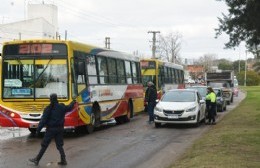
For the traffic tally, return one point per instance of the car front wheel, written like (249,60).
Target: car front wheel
(157,125)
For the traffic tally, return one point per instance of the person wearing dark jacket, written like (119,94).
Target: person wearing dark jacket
(53,119)
(150,98)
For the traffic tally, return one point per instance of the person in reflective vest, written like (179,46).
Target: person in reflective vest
(211,96)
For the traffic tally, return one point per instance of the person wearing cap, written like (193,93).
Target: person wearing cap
(211,96)
(53,119)
(150,98)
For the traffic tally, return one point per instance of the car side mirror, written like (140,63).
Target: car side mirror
(202,101)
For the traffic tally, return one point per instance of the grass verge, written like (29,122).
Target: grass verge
(233,143)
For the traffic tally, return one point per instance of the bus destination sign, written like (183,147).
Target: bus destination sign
(35,49)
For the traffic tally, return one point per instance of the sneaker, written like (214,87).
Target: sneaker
(62,162)
(35,161)
(149,122)
(214,123)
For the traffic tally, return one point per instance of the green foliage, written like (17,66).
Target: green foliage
(225,65)
(252,78)
(236,66)
(241,24)
(257,67)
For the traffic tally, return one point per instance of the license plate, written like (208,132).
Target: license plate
(173,117)
(33,125)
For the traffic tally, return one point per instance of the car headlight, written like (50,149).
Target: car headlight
(158,109)
(191,109)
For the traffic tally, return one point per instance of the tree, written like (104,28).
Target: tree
(208,61)
(241,24)
(225,64)
(237,64)
(252,78)
(256,67)
(169,47)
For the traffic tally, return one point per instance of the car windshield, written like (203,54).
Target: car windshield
(219,84)
(179,96)
(201,90)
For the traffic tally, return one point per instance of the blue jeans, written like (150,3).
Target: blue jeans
(150,108)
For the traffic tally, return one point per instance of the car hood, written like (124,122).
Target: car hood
(175,105)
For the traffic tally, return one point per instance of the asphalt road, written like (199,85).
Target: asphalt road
(132,145)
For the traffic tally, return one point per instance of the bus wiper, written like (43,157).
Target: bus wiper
(18,60)
(43,70)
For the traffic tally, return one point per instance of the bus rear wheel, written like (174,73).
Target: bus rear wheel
(128,116)
(130,112)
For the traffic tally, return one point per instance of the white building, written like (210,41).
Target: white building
(42,22)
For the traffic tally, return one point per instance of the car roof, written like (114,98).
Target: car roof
(173,90)
(203,86)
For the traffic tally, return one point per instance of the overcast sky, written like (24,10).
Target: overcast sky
(127,23)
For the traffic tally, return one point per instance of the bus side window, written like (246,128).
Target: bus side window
(128,72)
(175,76)
(134,72)
(102,69)
(161,77)
(91,69)
(171,76)
(166,77)
(121,71)
(112,70)
(81,77)
(139,76)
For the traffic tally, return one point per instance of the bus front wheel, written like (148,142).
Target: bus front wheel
(32,130)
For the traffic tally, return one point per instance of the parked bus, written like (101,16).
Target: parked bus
(164,75)
(106,84)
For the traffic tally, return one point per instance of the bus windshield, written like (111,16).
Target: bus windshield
(147,78)
(35,78)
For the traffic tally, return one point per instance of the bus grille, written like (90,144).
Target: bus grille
(30,107)
(173,112)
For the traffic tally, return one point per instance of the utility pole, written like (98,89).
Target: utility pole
(239,61)
(107,42)
(245,69)
(154,41)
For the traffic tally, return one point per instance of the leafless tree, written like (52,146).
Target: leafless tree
(169,47)
(208,61)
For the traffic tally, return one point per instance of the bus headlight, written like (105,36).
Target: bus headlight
(12,114)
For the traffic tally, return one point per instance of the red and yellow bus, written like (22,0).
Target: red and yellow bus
(106,84)
(165,75)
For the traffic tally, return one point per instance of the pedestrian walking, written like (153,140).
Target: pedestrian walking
(53,119)
(211,96)
(150,99)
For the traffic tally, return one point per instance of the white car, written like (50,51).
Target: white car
(180,106)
